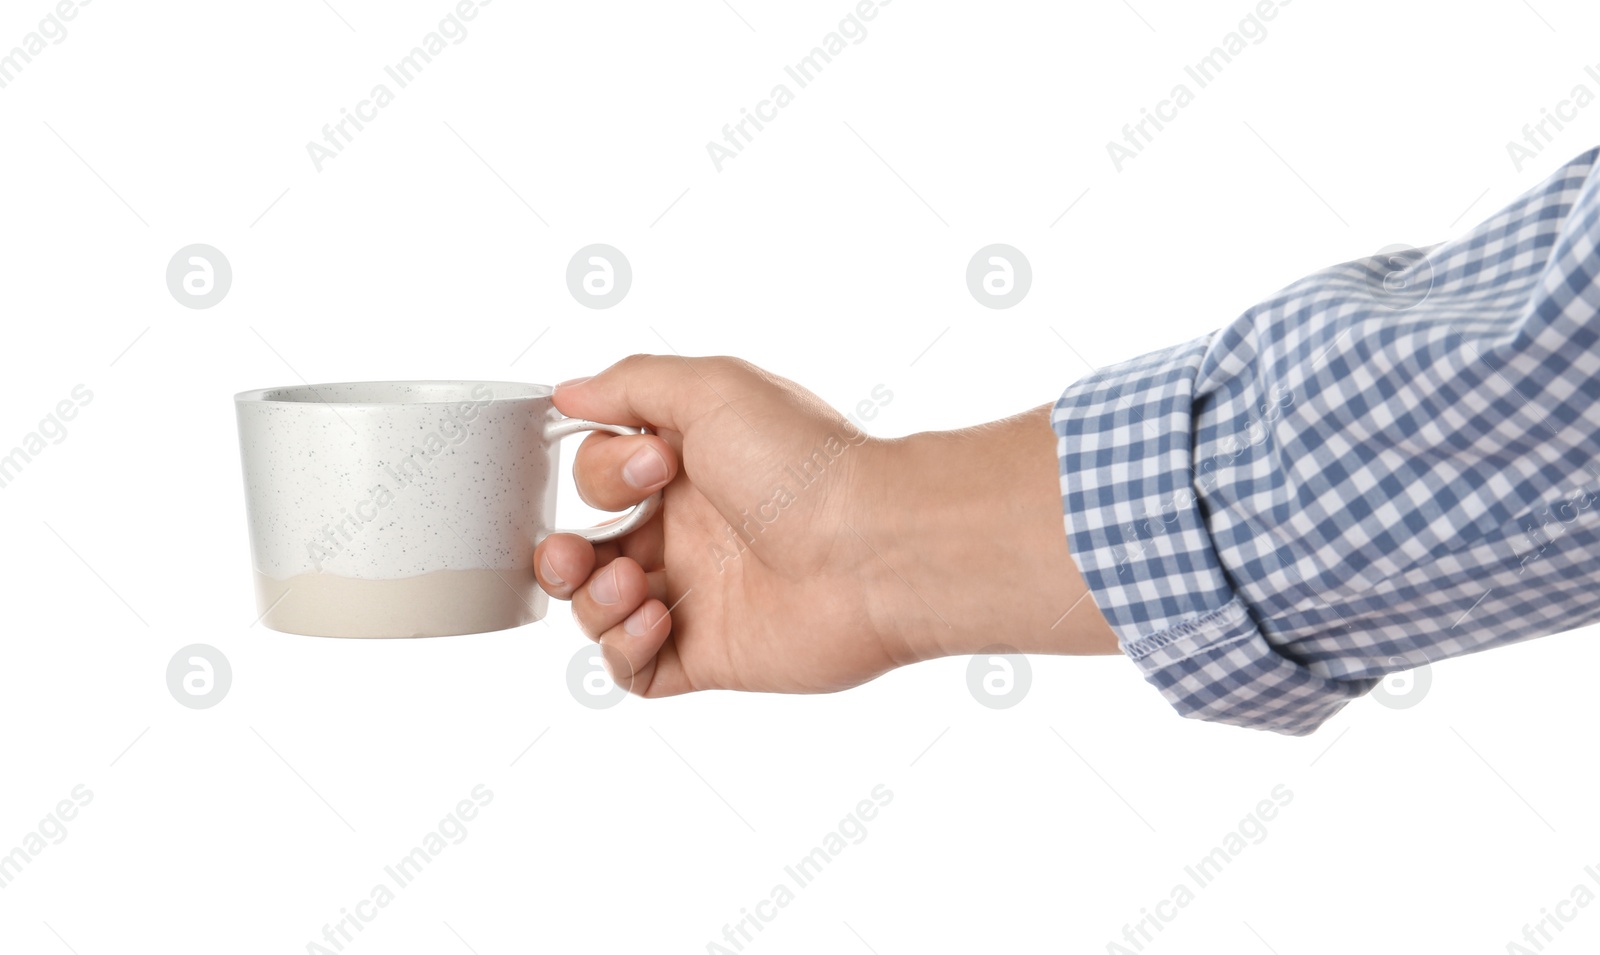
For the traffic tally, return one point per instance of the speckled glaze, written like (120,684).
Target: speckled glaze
(353,489)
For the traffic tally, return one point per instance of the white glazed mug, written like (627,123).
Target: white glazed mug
(404,508)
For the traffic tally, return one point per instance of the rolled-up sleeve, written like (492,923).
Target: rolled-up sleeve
(1390,462)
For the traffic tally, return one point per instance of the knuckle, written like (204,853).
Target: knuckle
(726,373)
(727,365)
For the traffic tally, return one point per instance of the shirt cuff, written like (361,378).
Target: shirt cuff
(1137,529)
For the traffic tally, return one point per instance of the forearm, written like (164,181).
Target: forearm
(970,522)
(1350,479)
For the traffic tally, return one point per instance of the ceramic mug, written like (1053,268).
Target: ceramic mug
(404,508)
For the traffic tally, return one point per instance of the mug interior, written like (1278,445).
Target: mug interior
(397,392)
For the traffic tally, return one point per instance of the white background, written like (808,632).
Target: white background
(649,826)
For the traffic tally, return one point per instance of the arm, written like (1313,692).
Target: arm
(1370,471)
(796,553)
(975,514)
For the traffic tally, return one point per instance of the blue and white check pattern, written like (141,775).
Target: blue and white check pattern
(1372,470)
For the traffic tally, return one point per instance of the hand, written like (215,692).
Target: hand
(798,554)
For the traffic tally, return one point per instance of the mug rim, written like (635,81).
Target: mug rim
(312,394)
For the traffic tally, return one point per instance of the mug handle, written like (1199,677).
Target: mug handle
(561,427)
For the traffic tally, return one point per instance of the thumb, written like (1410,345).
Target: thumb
(659,391)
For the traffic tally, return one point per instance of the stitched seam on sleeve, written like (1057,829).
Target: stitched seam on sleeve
(1217,620)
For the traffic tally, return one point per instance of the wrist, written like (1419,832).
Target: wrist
(970,548)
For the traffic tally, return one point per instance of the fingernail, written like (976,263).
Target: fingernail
(549,573)
(573,381)
(636,624)
(604,588)
(645,469)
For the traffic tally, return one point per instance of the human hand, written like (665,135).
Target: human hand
(795,552)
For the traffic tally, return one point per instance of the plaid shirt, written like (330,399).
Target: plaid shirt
(1389,462)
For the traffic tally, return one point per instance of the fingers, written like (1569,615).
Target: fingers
(664,391)
(561,563)
(615,472)
(622,608)
(614,592)
(630,648)
(667,674)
